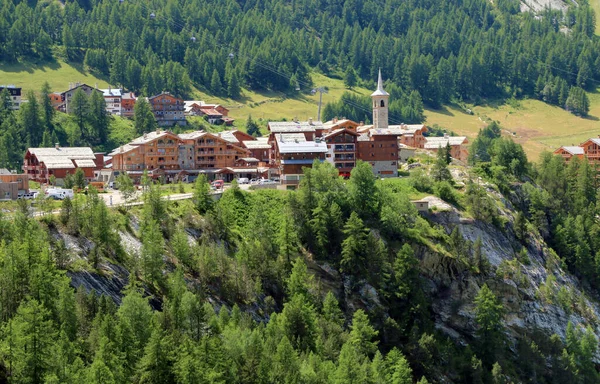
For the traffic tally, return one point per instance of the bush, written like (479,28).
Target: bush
(446,192)
(421,182)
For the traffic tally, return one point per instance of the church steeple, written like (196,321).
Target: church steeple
(380,105)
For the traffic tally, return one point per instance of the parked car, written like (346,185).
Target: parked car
(218,184)
(254,181)
(243,180)
(27,196)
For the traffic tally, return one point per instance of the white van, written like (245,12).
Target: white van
(59,193)
(243,180)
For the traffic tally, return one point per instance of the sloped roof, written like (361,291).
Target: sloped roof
(286,144)
(336,131)
(293,126)
(62,158)
(192,135)
(122,149)
(229,136)
(259,143)
(4,171)
(150,136)
(437,142)
(290,137)
(573,150)
(380,91)
(116,92)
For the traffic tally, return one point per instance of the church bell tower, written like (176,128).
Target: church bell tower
(380,105)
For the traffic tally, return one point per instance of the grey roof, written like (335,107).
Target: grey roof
(229,136)
(574,150)
(192,135)
(380,91)
(122,149)
(116,92)
(290,137)
(4,171)
(259,143)
(363,137)
(293,126)
(437,142)
(148,137)
(250,159)
(62,158)
(294,146)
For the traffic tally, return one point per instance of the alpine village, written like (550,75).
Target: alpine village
(299,192)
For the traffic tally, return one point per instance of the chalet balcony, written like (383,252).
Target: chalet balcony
(344,148)
(344,157)
(212,153)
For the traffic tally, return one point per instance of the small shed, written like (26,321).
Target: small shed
(421,205)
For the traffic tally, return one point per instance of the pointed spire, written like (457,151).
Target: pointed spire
(380,91)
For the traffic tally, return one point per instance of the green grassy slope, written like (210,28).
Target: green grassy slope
(536,125)
(58,74)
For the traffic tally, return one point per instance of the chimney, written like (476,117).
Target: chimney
(445,135)
(56,145)
(157,131)
(334,120)
(310,121)
(361,124)
(145,135)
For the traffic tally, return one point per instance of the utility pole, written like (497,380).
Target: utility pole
(321,91)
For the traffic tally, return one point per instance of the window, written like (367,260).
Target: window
(382,104)
(372,154)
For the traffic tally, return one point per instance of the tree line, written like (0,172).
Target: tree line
(241,302)
(441,50)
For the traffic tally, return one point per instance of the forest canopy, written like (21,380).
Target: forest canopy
(442,50)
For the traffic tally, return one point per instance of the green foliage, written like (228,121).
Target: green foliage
(489,312)
(125,186)
(143,117)
(202,197)
(79,178)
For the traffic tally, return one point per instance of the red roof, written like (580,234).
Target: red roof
(211,112)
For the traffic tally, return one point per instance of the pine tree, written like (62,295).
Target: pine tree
(155,366)
(440,171)
(30,120)
(79,178)
(30,340)
(252,128)
(202,197)
(489,314)
(98,119)
(215,82)
(362,334)
(354,247)
(364,195)
(79,107)
(143,117)
(152,252)
(47,109)
(350,77)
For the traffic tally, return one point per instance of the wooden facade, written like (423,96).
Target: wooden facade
(168,110)
(42,163)
(342,150)
(153,151)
